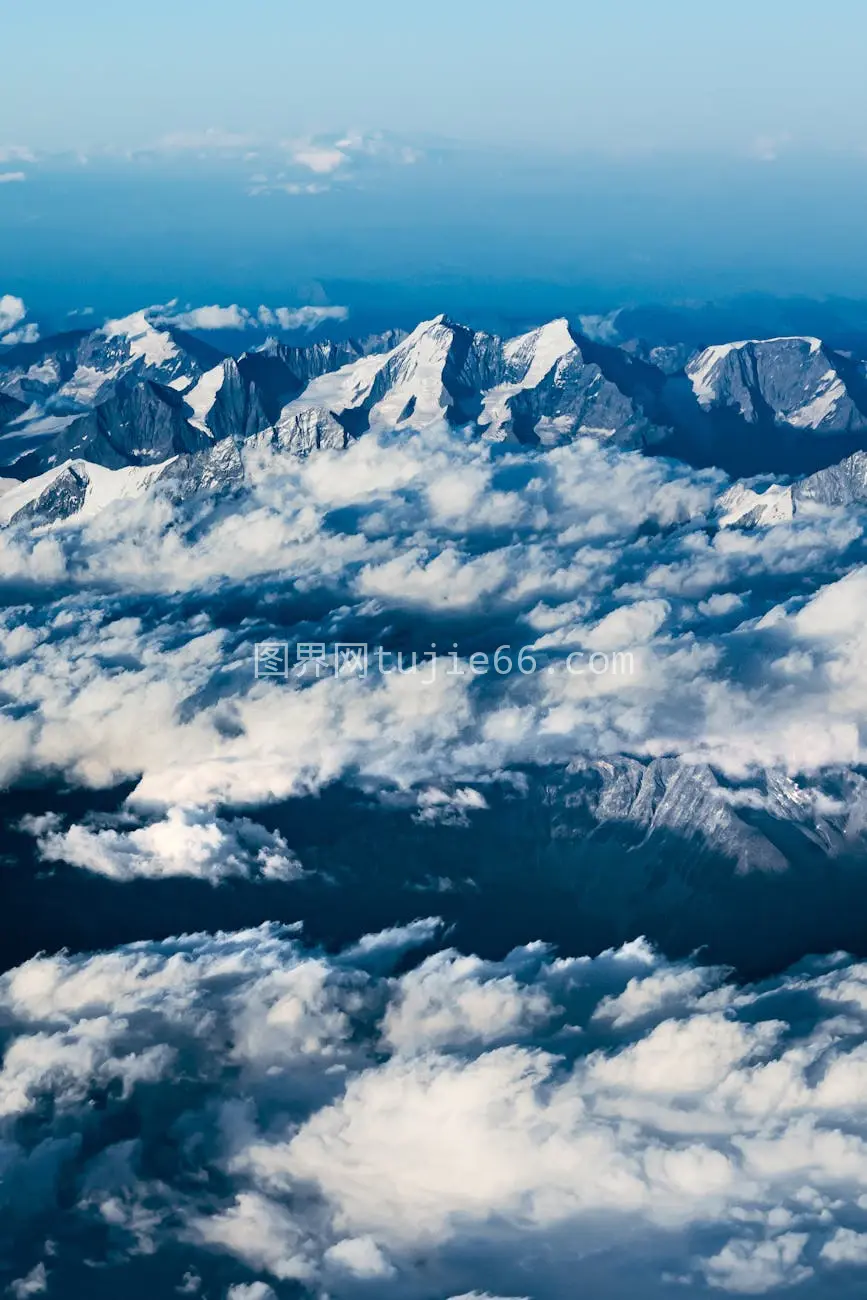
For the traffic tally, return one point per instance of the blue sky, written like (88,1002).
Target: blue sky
(564,157)
(619,75)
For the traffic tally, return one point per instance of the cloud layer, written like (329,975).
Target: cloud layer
(539,1119)
(746,645)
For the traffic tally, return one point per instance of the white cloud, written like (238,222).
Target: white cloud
(781,689)
(359,1256)
(451,807)
(234,317)
(35,1283)
(183,844)
(321,159)
(846,1247)
(629,625)
(250,1291)
(13,328)
(261,1233)
(491,1136)
(669,990)
(720,604)
(12,311)
(293,318)
(335,158)
(9,178)
(485,1295)
(28,333)
(455,1000)
(213,318)
(754,1268)
(395,940)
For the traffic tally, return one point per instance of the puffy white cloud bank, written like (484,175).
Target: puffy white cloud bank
(746,645)
(538,1126)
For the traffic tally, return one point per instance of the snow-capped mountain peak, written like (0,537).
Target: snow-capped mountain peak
(796,381)
(154,346)
(532,355)
(421,379)
(74,489)
(528,359)
(704,369)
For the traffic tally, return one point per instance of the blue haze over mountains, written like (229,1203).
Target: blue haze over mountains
(491,236)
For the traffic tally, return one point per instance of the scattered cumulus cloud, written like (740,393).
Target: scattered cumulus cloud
(340,159)
(213,318)
(250,1291)
(293,318)
(318,158)
(14,328)
(28,333)
(234,317)
(35,1283)
(184,843)
(12,311)
(360,1257)
(8,178)
(324,156)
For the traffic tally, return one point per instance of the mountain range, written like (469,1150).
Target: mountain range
(152,401)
